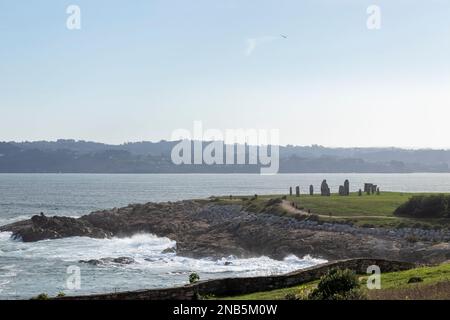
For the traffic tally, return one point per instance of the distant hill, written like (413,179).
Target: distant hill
(71,156)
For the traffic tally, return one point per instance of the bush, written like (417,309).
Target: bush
(194,277)
(430,206)
(415,280)
(42,296)
(338,284)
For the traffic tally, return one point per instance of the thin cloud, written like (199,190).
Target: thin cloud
(253,43)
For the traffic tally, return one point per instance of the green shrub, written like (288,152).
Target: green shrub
(338,284)
(415,280)
(42,296)
(194,277)
(429,206)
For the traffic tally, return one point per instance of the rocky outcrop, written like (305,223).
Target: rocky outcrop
(210,229)
(102,261)
(40,227)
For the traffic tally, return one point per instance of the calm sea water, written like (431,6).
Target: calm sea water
(27,269)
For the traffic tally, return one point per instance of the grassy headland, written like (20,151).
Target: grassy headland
(366,210)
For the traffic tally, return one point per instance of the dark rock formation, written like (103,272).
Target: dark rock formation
(342,191)
(311,190)
(102,261)
(205,228)
(297,191)
(40,227)
(290,191)
(360,192)
(170,250)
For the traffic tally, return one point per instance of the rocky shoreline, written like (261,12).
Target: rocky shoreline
(208,229)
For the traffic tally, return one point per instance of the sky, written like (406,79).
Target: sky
(139,70)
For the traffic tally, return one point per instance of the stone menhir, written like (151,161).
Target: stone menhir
(297,191)
(374,188)
(347,187)
(360,192)
(342,191)
(324,189)
(378,191)
(368,188)
(311,190)
(290,191)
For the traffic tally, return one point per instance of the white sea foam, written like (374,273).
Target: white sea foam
(157,268)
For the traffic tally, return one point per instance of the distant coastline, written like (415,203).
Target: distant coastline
(70,156)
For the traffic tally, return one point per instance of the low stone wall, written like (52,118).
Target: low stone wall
(237,286)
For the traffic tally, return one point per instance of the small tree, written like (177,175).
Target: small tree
(194,277)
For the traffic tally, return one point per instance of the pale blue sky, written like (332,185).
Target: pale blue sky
(137,70)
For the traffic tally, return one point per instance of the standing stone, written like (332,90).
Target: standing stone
(360,192)
(378,191)
(297,191)
(290,191)
(374,188)
(341,190)
(311,190)
(324,189)
(347,188)
(368,188)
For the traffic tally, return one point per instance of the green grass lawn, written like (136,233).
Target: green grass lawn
(393,285)
(365,210)
(279,294)
(430,275)
(353,205)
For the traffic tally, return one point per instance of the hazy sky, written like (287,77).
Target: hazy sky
(137,70)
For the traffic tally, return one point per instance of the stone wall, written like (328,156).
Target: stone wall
(237,286)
